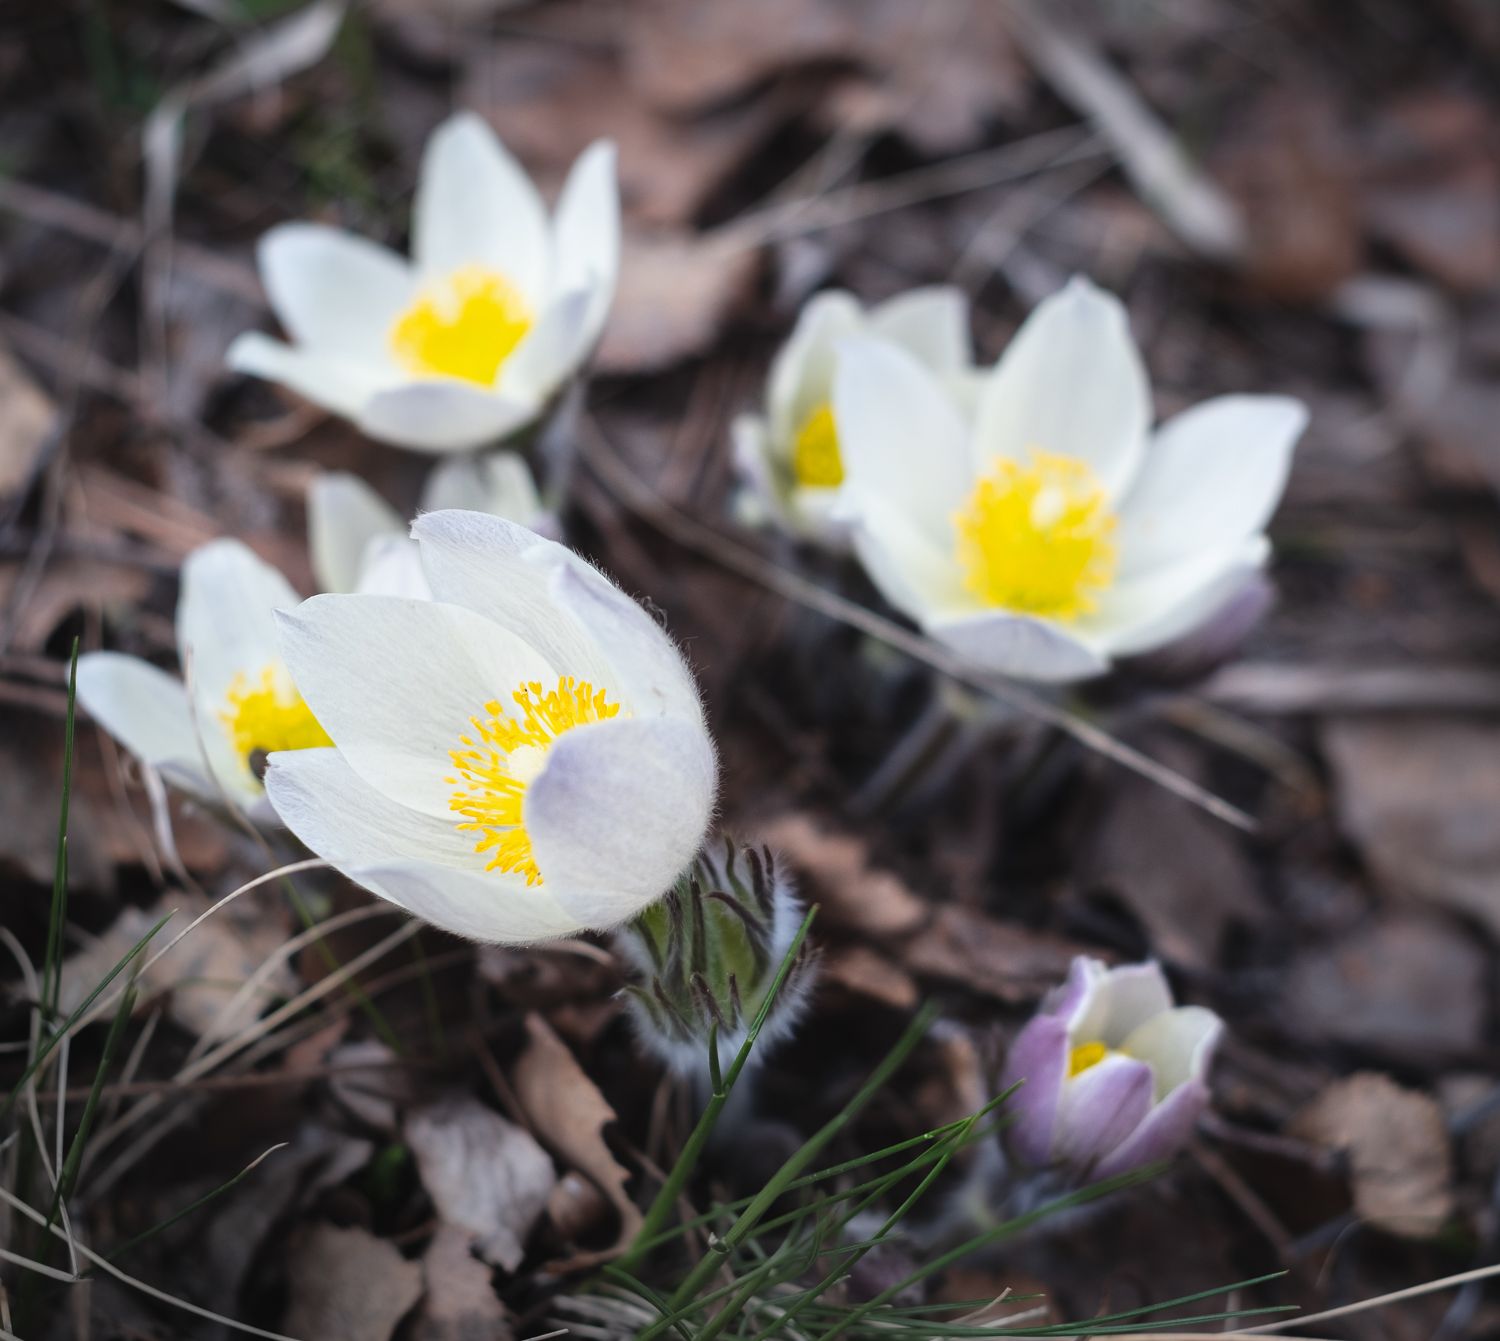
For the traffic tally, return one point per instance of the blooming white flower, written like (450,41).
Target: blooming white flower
(212,736)
(359,543)
(1056,532)
(469,342)
(1112,1074)
(789,460)
(521,757)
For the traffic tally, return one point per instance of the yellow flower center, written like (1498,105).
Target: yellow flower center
(1086,1055)
(464,325)
(816,462)
(267,714)
(1037,538)
(506,751)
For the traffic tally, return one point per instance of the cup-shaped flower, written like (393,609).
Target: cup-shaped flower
(521,757)
(468,342)
(789,459)
(701,962)
(358,541)
(212,736)
(1055,532)
(1112,1075)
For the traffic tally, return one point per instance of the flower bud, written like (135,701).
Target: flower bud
(1115,1075)
(706,955)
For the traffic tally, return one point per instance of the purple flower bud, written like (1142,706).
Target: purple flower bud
(1114,1074)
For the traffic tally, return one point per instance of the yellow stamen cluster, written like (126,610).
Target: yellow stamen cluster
(1037,538)
(268,714)
(496,763)
(1086,1055)
(816,462)
(465,326)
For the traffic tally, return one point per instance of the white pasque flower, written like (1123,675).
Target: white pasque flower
(1056,531)
(212,736)
(521,757)
(469,341)
(789,460)
(358,542)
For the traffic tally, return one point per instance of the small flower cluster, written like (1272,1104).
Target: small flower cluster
(477,725)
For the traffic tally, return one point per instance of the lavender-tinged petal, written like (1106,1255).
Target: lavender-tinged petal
(1038,1061)
(1099,1109)
(1071,1000)
(1164,1132)
(1126,997)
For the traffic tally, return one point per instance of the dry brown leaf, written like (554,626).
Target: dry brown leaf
(346,1283)
(850,894)
(26,417)
(484,1174)
(459,1303)
(1418,795)
(859,969)
(566,1110)
(65,586)
(1010,962)
(1181,873)
(1411,987)
(1400,1161)
(675,292)
(203,974)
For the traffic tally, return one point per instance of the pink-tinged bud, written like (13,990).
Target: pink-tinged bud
(1112,1074)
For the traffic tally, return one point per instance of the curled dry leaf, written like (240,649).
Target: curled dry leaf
(565,1106)
(1400,1161)
(346,1283)
(999,959)
(485,1175)
(859,969)
(837,876)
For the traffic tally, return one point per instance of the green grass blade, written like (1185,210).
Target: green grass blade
(58,913)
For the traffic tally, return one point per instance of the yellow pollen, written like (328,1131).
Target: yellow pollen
(506,750)
(1037,538)
(267,714)
(815,451)
(464,325)
(1084,1056)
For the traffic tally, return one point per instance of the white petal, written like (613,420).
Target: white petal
(751,449)
(1178,1043)
(332,381)
(801,377)
(343,515)
(911,571)
(931,324)
(1071,383)
(442,416)
(1149,611)
(416,861)
(1211,476)
(395,682)
(1123,999)
(142,707)
(226,623)
(900,436)
(334,292)
(618,813)
(550,352)
(499,483)
(392,566)
(586,236)
(1022,646)
(476,206)
(507,573)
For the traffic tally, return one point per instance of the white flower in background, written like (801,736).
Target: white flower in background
(790,460)
(1056,531)
(1112,1074)
(521,757)
(212,736)
(468,342)
(358,541)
